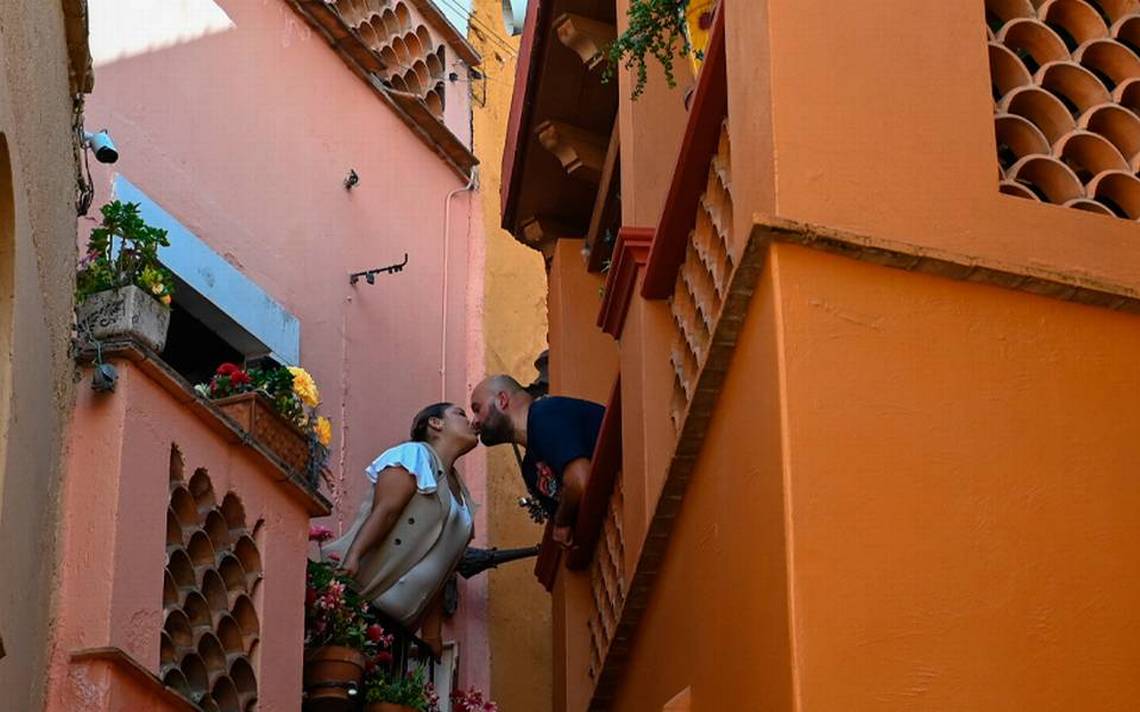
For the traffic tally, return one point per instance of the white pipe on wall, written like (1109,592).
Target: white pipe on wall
(443,293)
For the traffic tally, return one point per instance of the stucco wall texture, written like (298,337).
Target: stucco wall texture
(937,516)
(115,542)
(513,332)
(37,261)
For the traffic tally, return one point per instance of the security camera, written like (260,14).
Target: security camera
(102,146)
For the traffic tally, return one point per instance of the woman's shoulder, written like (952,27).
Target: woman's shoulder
(415,457)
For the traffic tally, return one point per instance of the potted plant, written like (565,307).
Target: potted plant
(121,288)
(471,700)
(278,407)
(342,639)
(660,29)
(391,692)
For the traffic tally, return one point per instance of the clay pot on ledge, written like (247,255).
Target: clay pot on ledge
(333,677)
(127,312)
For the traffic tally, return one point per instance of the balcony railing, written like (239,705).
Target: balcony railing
(189,545)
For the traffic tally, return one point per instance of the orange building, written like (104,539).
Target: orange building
(868,337)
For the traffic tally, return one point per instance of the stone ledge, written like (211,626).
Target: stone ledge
(121,663)
(1066,286)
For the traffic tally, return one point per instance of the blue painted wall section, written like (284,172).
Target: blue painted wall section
(222,292)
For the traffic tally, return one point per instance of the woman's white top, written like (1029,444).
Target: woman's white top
(411,564)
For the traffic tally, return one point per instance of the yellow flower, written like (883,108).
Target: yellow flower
(305,387)
(323,429)
(156,288)
(166,299)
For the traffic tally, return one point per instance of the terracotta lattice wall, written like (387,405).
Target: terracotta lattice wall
(1066,88)
(211,628)
(702,282)
(414,61)
(607,581)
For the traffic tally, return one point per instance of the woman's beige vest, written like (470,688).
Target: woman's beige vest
(411,564)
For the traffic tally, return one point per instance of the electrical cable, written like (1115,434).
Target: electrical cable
(481,26)
(475,20)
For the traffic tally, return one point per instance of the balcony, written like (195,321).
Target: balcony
(185,544)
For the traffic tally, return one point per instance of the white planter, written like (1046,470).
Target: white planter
(126,312)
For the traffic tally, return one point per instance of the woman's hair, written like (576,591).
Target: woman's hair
(420,422)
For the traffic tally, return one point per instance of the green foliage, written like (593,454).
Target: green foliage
(123,251)
(276,384)
(656,29)
(410,691)
(335,614)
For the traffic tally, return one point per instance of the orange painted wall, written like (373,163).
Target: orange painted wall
(963,508)
(718,619)
(877,118)
(916,493)
(585,364)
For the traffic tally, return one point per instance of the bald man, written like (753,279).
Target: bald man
(559,435)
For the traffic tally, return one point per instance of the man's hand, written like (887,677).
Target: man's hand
(563,535)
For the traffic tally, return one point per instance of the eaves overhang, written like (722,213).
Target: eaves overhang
(379,47)
(560,123)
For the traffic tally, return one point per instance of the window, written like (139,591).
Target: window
(219,314)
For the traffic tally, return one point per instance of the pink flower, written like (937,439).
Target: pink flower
(334,556)
(320,535)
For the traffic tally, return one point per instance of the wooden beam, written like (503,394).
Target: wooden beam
(606,204)
(605,464)
(588,38)
(629,257)
(582,153)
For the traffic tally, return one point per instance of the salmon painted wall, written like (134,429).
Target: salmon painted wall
(114,539)
(243,124)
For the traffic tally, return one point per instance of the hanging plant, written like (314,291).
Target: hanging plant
(656,29)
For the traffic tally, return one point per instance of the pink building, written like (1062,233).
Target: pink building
(284,145)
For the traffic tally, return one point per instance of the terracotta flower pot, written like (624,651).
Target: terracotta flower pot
(255,414)
(387,707)
(332,675)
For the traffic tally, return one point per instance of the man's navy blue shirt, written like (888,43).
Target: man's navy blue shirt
(558,431)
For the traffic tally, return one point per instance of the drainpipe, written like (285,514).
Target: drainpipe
(443,300)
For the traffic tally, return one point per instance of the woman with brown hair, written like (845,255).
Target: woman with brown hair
(414,525)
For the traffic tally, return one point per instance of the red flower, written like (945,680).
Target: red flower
(239,378)
(228,369)
(310,596)
(383,657)
(375,633)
